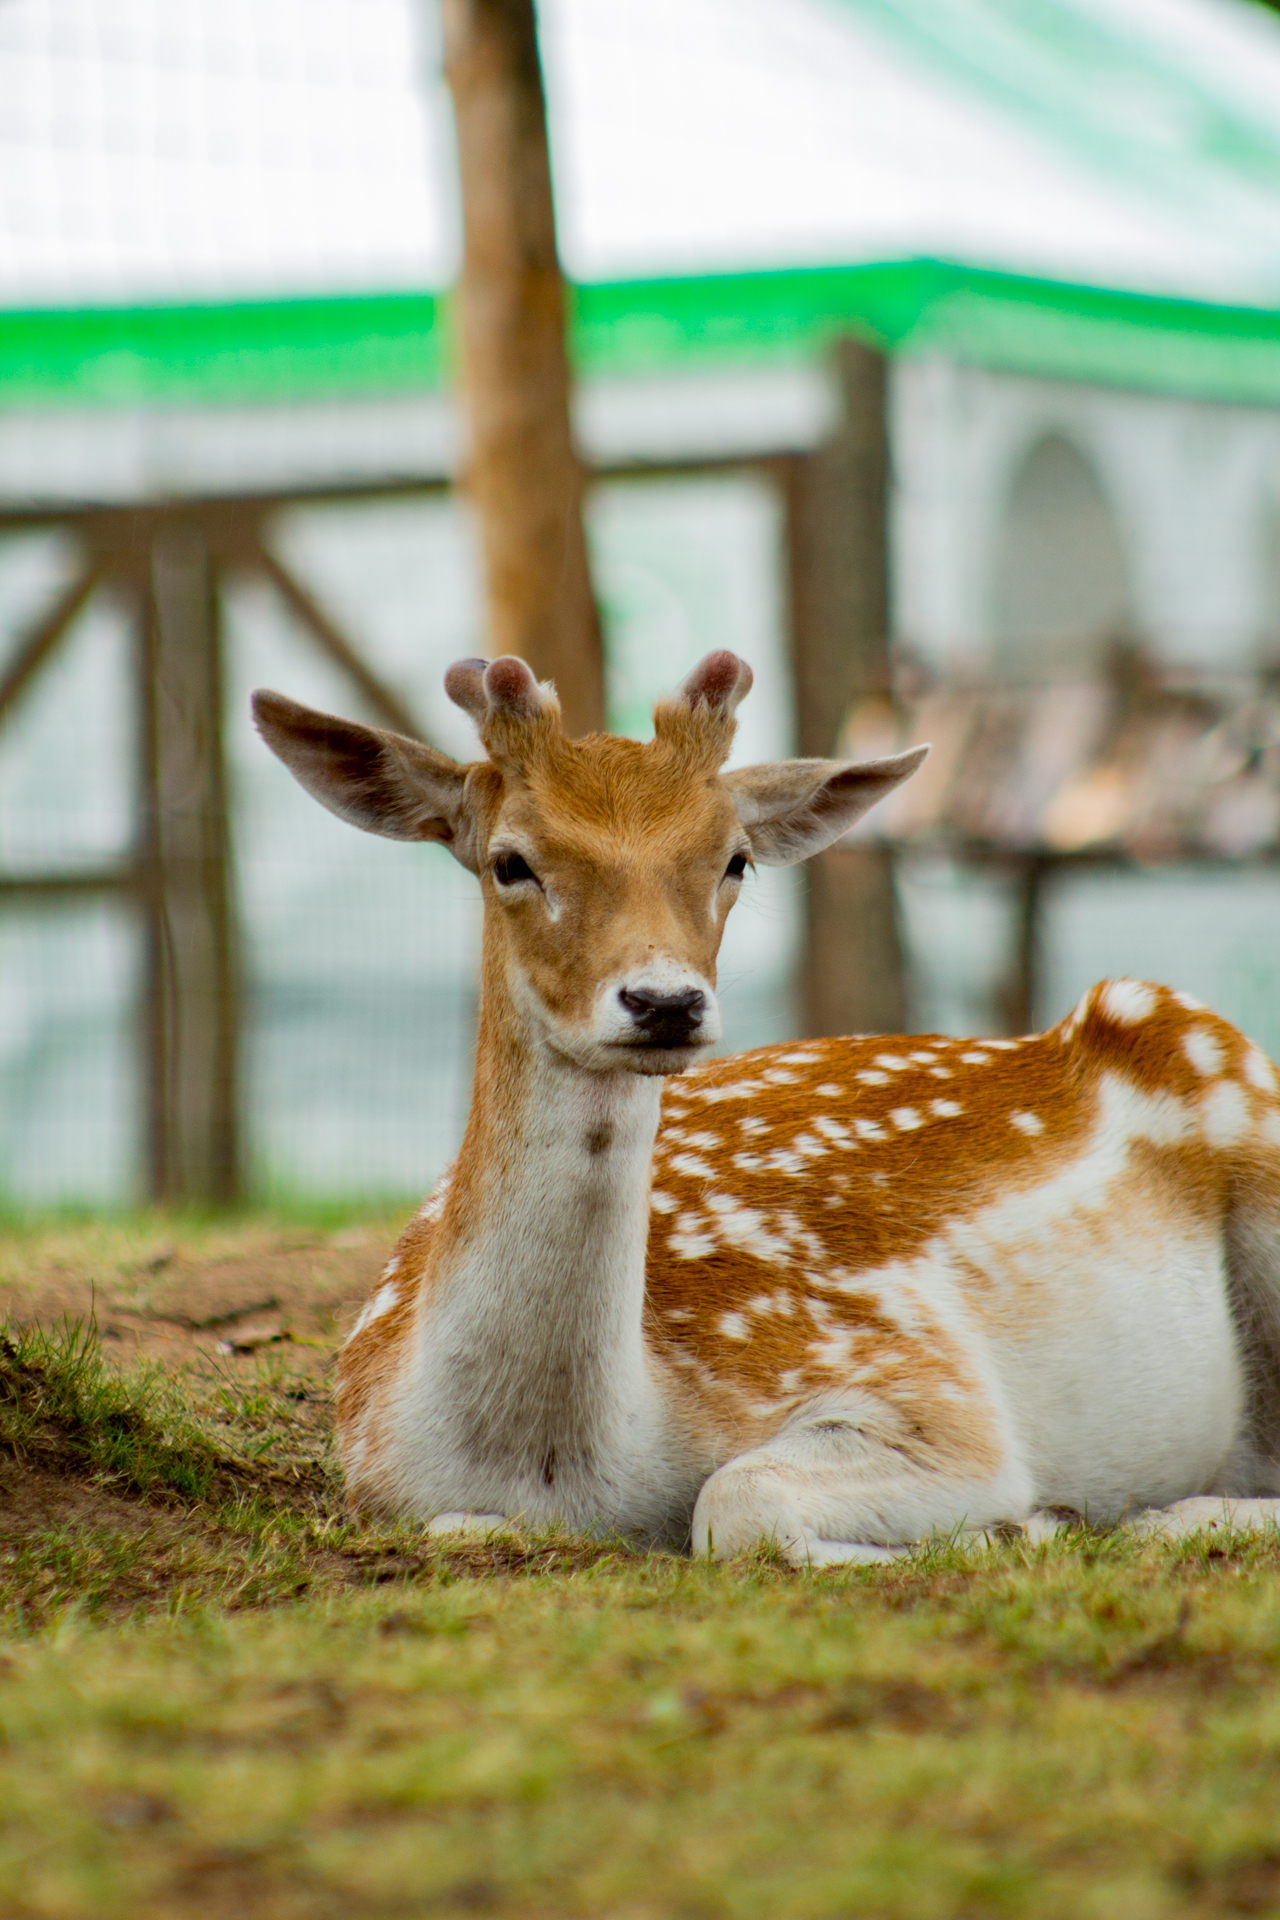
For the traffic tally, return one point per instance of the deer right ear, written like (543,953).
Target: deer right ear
(380,781)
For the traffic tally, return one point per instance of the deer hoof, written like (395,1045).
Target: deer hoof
(470,1526)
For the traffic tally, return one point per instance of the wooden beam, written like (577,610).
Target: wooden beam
(852,974)
(386,703)
(40,639)
(192,1005)
(74,885)
(524,475)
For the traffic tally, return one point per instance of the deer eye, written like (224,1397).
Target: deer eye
(509,868)
(736,867)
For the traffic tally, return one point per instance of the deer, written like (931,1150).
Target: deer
(842,1295)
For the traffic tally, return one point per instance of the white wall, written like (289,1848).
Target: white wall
(1194,487)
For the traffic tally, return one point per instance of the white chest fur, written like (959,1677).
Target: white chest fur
(531,1392)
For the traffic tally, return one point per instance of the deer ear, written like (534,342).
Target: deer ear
(383,782)
(795,808)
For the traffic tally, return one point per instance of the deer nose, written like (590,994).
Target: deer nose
(665,1019)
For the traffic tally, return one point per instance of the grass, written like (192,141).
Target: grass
(221,1696)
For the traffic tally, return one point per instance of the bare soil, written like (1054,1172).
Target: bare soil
(189,1298)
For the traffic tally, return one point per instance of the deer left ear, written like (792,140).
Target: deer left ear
(795,808)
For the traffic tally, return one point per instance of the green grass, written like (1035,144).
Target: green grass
(219,1695)
(1074,1732)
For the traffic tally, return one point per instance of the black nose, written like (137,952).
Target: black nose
(665,1019)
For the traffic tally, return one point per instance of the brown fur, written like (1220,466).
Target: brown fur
(835,1215)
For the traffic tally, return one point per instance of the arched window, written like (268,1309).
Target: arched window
(1060,587)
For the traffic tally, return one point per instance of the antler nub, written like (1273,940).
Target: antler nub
(720,679)
(485,688)
(512,689)
(464,684)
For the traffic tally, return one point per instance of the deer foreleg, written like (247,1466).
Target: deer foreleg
(830,1490)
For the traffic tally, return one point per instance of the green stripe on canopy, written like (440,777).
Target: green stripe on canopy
(346,346)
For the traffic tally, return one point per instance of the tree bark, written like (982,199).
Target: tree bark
(852,976)
(524,477)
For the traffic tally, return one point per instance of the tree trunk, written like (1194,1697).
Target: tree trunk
(852,978)
(525,478)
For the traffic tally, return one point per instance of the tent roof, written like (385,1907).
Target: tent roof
(214,149)
(199,196)
(326,348)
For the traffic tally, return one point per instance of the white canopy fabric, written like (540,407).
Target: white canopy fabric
(207,149)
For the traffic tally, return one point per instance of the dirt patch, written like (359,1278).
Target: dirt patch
(188,1304)
(1248,1885)
(113,1494)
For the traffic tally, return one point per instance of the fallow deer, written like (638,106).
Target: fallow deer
(841,1294)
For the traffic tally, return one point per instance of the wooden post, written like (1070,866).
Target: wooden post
(185,875)
(1024,976)
(852,978)
(524,476)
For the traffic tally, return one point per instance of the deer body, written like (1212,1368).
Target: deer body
(845,1294)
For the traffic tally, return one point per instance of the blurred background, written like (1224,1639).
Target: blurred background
(928,355)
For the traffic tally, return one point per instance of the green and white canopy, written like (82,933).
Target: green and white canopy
(239,200)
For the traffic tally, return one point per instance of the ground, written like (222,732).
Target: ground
(221,1696)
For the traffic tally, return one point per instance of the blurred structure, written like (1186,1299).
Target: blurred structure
(228,456)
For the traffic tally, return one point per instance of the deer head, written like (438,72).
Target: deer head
(608,866)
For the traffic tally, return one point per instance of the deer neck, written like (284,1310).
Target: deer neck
(536,1322)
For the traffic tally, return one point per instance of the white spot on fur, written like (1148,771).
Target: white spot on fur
(894,1062)
(1270,1127)
(1258,1071)
(871,1079)
(747,1229)
(776,1078)
(829,1090)
(941,1073)
(433,1206)
(690,1164)
(976,1059)
(923,1059)
(834,1130)
(662,1202)
(1204,1050)
(782,1162)
(1077,1014)
(1226,1114)
(1029,1123)
(945,1109)
(392,1267)
(1128,1002)
(382,1302)
(748,1162)
(1188,1002)
(751,1123)
(690,1246)
(1001,1046)
(733,1326)
(868,1130)
(776,1302)
(906,1119)
(810,1146)
(736,1090)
